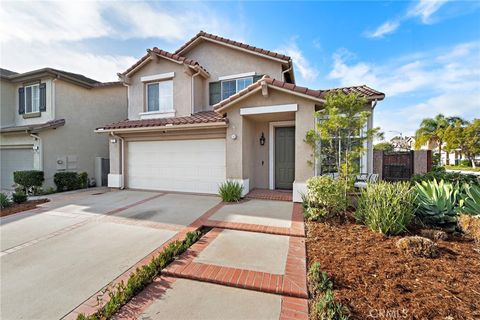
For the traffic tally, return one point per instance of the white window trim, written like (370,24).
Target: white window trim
(25,98)
(269,109)
(157,111)
(237,76)
(236,85)
(160,76)
(271,149)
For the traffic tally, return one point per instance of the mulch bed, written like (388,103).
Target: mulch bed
(375,281)
(15,208)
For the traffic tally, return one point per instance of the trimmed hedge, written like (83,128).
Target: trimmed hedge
(66,181)
(29,180)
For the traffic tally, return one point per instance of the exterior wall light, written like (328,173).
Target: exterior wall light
(262,139)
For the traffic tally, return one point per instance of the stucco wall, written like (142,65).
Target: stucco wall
(182,96)
(221,61)
(7,103)
(83,110)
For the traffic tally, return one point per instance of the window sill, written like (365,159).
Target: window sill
(32,115)
(157,114)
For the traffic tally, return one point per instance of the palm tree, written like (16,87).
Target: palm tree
(431,130)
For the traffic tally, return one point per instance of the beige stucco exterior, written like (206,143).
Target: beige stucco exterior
(7,103)
(83,109)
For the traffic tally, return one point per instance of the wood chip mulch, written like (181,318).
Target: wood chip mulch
(15,208)
(375,281)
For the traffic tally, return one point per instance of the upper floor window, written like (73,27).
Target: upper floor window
(32,98)
(230,87)
(160,96)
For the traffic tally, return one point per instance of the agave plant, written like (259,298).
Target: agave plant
(437,203)
(471,200)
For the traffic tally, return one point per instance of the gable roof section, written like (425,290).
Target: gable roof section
(60,74)
(211,37)
(163,54)
(318,95)
(204,117)
(33,128)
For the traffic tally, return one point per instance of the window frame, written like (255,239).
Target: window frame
(31,86)
(172,109)
(236,85)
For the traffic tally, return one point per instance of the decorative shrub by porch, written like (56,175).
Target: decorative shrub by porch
(230,191)
(29,180)
(19,197)
(325,196)
(142,277)
(386,207)
(452,177)
(66,181)
(4,200)
(471,200)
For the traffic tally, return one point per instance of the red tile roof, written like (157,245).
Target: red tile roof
(168,55)
(363,90)
(234,43)
(197,118)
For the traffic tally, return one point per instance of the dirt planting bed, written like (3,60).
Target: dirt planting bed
(376,281)
(15,208)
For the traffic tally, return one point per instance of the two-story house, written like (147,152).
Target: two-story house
(48,119)
(217,109)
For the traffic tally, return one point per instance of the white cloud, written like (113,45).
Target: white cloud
(300,62)
(442,81)
(425,9)
(386,28)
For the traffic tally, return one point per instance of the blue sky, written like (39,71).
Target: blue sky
(425,55)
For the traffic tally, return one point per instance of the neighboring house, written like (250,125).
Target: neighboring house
(217,109)
(47,122)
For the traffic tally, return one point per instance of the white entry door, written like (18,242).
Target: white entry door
(12,160)
(178,165)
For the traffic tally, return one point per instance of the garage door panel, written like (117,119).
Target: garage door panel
(12,160)
(182,165)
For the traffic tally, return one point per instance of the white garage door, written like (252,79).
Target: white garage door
(14,160)
(179,165)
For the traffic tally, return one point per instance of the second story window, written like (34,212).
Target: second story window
(160,96)
(230,87)
(32,98)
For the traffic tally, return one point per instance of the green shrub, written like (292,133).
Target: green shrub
(230,191)
(326,308)
(19,197)
(4,201)
(139,279)
(66,181)
(437,203)
(441,174)
(325,196)
(465,163)
(471,200)
(386,207)
(318,280)
(29,180)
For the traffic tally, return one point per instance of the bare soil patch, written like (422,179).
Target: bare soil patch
(15,208)
(376,281)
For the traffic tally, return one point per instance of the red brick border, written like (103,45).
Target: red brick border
(292,283)
(297,228)
(294,309)
(267,194)
(99,298)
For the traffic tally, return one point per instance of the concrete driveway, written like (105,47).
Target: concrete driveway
(55,258)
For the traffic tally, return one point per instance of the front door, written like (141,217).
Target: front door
(284,157)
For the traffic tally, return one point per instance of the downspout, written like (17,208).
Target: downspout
(288,70)
(193,91)
(39,150)
(122,160)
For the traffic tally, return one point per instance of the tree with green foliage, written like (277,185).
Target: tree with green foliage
(383,146)
(432,130)
(472,140)
(340,130)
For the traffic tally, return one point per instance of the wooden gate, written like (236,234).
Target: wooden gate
(397,166)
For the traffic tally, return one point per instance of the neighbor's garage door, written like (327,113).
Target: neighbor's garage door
(179,165)
(14,160)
